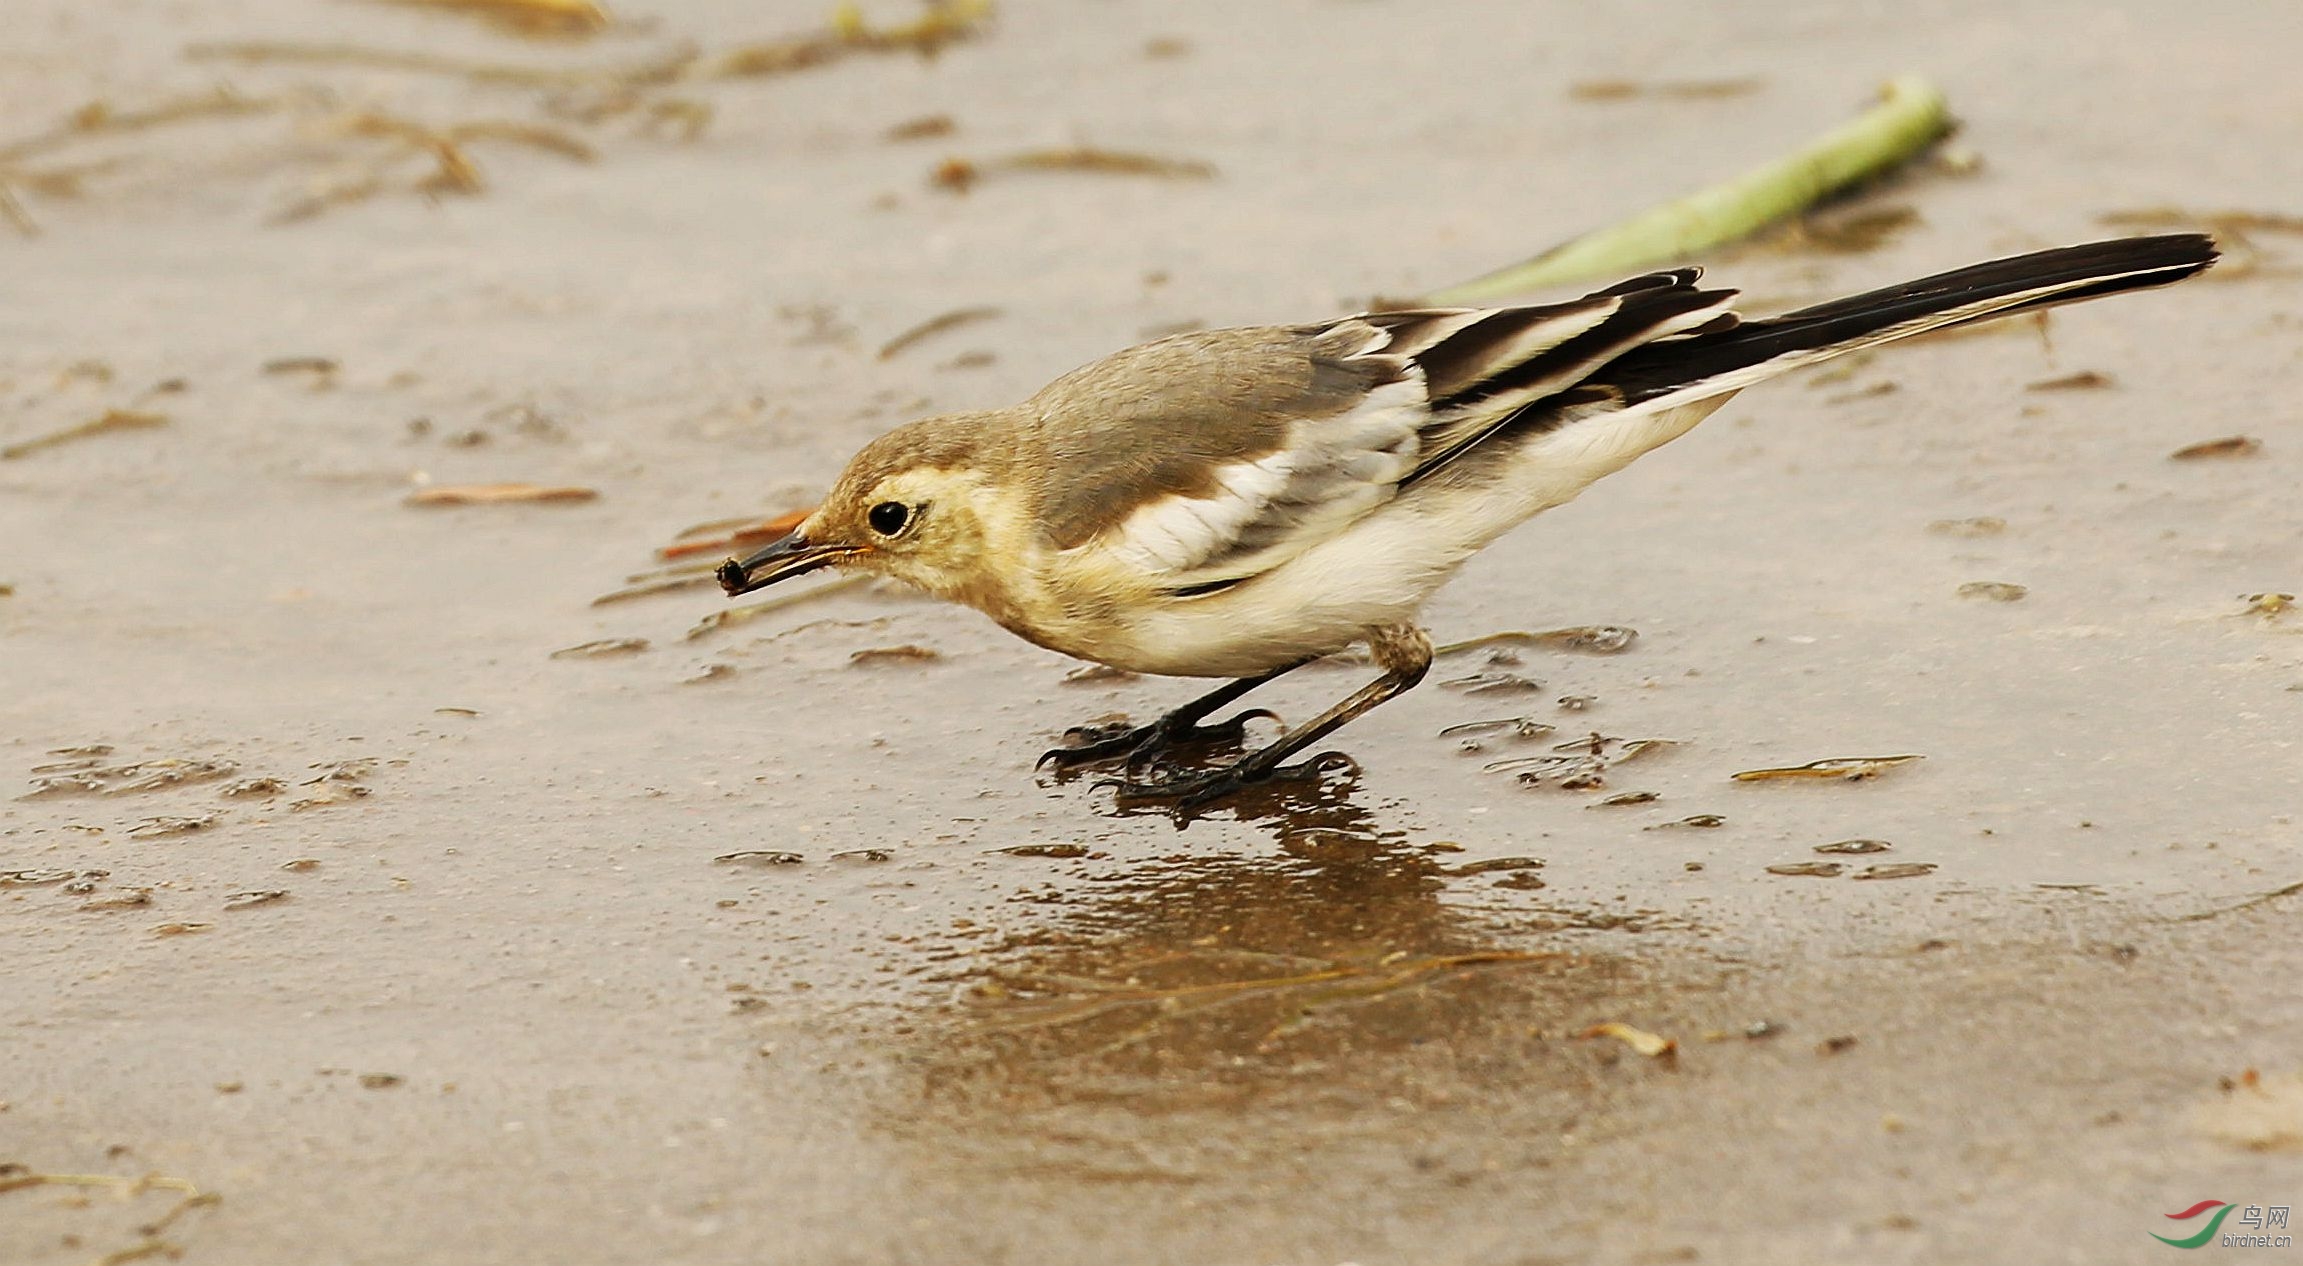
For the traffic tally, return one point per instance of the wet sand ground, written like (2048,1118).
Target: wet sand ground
(511,1009)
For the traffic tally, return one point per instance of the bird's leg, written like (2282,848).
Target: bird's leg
(1088,745)
(1403,651)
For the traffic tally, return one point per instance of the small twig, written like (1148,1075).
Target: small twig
(934,325)
(662,69)
(2249,904)
(97,118)
(149,1243)
(945,22)
(109,420)
(527,17)
(13,211)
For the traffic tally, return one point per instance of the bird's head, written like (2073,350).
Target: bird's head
(907,506)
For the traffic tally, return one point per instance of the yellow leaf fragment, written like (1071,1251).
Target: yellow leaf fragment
(496,494)
(1642,1042)
(527,17)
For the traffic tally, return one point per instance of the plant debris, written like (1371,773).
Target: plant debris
(2227,446)
(155,828)
(526,17)
(1995,590)
(1680,89)
(602,648)
(945,22)
(319,366)
(496,494)
(2268,605)
(1854,848)
(1473,736)
(1809,870)
(35,878)
(1493,684)
(655,71)
(961,174)
(1979,526)
(150,1241)
(88,776)
(935,325)
(98,118)
(1591,639)
(1845,768)
(1577,764)
(1911,116)
(254,897)
(925,127)
(1896,870)
(452,170)
(1625,798)
(248,787)
(331,794)
(1043,850)
(1641,1042)
(2250,903)
(2084,380)
(593,94)
(760,857)
(180,929)
(109,420)
(906,653)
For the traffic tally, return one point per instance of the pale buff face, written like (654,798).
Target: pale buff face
(907,509)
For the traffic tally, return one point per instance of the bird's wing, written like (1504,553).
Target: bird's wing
(1202,460)
(1209,457)
(1205,459)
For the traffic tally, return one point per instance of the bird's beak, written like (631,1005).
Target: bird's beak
(792,556)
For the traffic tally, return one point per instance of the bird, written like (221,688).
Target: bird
(1237,503)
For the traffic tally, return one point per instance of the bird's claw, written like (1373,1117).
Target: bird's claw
(1229,733)
(1096,743)
(1188,793)
(1140,745)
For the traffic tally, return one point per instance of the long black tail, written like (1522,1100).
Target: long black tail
(1757,349)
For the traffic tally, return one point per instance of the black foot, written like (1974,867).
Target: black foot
(1139,744)
(1185,794)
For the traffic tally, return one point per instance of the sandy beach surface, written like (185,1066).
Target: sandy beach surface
(334,891)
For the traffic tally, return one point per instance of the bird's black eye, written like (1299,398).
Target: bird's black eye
(889,517)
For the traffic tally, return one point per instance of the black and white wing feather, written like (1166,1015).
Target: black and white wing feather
(1260,444)
(1307,429)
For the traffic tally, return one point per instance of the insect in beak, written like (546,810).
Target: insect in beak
(792,556)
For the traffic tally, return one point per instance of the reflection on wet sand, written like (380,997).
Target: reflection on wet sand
(1201,1017)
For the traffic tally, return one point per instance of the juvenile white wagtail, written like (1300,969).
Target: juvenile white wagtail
(1237,503)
